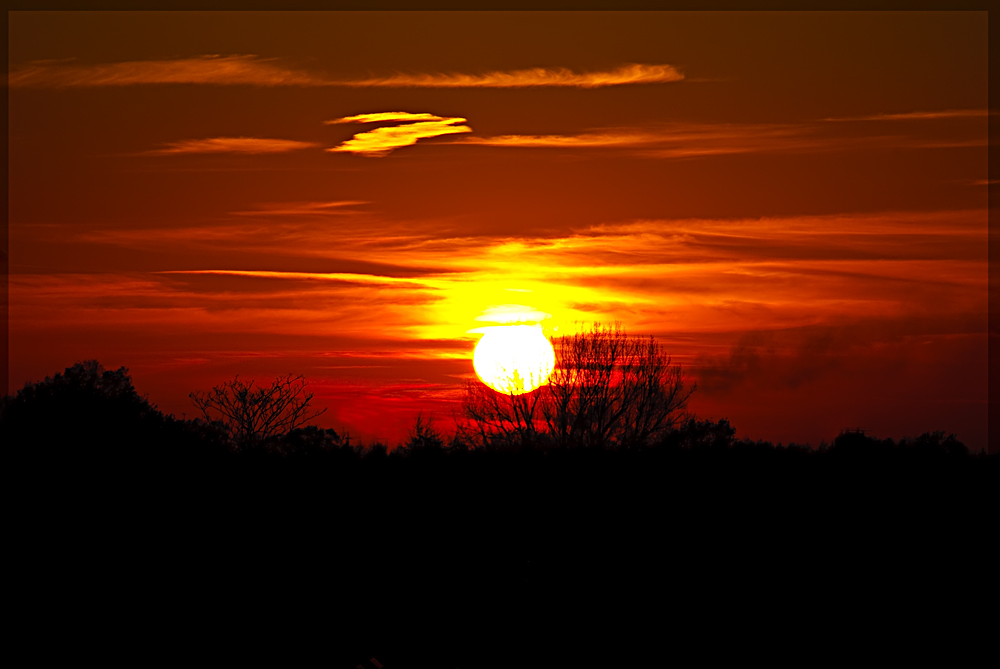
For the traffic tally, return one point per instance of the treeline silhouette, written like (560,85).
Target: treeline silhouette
(91,415)
(452,550)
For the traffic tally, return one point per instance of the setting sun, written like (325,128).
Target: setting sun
(514,359)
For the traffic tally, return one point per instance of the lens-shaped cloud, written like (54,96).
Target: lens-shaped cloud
(382,141)
(232,145)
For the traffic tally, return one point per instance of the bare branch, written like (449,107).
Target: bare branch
(607,390)
(251,415)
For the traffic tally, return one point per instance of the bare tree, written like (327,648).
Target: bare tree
(252,415)
(612,390)
(500,419)
(608,390)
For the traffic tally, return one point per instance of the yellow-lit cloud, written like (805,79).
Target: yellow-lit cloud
(512,313)
(382,141)
(232,145)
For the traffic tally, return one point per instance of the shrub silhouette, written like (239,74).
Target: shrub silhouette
(308,441)
(935,443)
(424,439)
(694,433)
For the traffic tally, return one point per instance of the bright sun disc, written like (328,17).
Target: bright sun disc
(514,358)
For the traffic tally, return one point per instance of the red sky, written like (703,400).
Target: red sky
(794,204)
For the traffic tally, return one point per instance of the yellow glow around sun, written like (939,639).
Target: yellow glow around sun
(514,358)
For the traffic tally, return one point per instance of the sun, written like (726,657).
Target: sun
(514,359)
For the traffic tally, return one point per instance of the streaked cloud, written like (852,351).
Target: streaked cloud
(627,74)
(917,115)
(252,70)
(384,140)
(672,140)
(951,144)
(208,69)
(333,208)
(689,139)
(696,275)
(232,145)
(346,277)
(595,139)
(857,288)
(669,140)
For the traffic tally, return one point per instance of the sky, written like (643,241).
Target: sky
(793,204)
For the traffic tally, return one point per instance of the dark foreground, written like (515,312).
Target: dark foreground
(506,559)
(135,539)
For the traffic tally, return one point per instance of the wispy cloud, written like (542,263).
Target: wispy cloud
(668,140)
(689,139)
(917,115)
(671,140)
(594,139)
(232,145)
(382,141)
(345,277)
(256,71)
(334,208)
(858,287)
(709,275)
(209,69)
(627,74)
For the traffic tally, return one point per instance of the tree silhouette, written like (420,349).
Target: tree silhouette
(88,418)
(608,390)
(85,405)
(502,420)
(424,437)
(252,415)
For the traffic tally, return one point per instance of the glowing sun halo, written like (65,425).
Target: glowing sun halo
(514,358)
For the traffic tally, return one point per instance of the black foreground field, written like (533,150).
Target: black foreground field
(138,539)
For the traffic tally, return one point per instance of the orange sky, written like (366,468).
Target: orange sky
(795,204)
